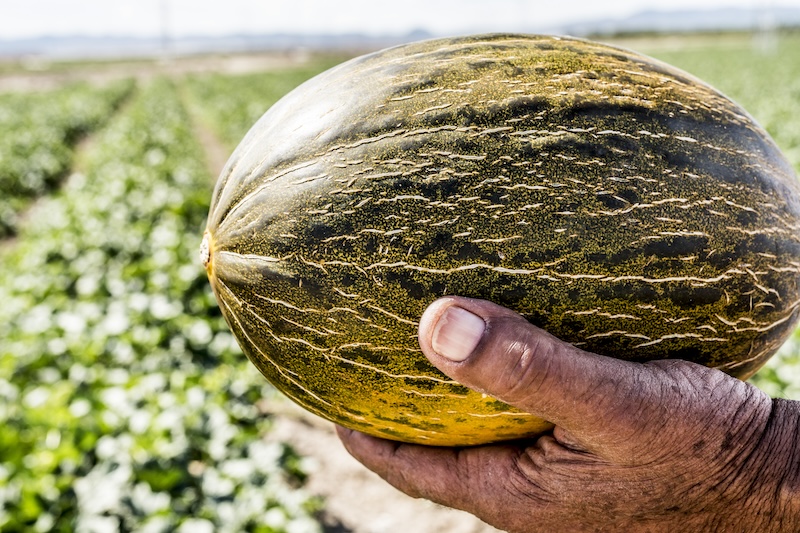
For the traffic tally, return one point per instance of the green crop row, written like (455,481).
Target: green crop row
(230,105)
(39,132)
(125,404)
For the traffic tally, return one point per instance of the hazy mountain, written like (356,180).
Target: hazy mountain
(64,47)
(690,21)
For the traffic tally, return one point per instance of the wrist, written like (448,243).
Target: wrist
(760,488)
(780,452)
(764,488)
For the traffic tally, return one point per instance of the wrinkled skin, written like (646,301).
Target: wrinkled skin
(666,446)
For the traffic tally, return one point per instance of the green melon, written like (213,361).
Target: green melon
(613,200)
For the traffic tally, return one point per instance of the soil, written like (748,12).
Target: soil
(216,154)
(357,500)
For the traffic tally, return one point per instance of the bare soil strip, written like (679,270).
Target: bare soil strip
(216,154)
(356,500)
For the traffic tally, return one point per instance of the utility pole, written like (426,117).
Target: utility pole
(766,27)
(166,53)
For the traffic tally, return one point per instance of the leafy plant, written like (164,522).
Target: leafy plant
(124,402)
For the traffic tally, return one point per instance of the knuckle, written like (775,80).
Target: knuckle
(528,359)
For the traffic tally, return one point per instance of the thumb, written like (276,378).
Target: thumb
(496,351)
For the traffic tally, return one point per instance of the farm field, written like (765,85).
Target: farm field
(39,132)
(125,404)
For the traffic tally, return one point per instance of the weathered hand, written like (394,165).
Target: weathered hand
(665,446)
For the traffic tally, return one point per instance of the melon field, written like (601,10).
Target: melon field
(125,404)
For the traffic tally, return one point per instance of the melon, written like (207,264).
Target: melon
(619,203)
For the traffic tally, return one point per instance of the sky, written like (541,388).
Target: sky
(31,18)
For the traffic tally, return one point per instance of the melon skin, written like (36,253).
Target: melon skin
(616,202)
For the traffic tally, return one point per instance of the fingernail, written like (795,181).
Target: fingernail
(457,333)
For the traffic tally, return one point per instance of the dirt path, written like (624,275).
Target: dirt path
(216,154)
(356,500)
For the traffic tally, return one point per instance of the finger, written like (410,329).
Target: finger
(469,479)
(497,352)
(422,472)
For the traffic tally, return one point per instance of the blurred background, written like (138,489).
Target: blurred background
(125,404)
(93,28)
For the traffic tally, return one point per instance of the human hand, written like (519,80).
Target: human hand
(664,446)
